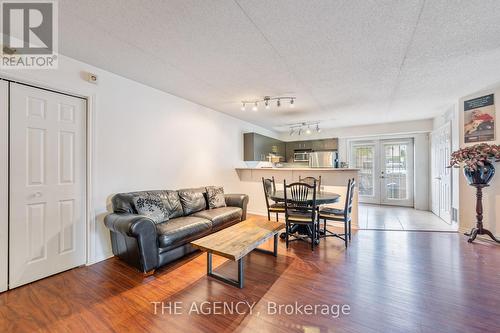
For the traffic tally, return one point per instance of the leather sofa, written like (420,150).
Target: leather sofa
(147,245)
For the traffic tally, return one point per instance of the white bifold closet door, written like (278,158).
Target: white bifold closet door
(4,189)
(47,233)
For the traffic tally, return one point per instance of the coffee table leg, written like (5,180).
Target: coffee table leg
(274,252)
(236,283)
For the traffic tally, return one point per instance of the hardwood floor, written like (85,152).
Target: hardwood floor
(393,281)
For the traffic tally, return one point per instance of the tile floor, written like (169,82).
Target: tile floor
(400,218)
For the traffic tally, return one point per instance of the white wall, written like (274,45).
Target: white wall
(144,138)
(491,194)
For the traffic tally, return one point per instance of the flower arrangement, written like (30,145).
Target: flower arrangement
(475,157)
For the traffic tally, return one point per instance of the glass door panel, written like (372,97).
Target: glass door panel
(397,173)
(363,157)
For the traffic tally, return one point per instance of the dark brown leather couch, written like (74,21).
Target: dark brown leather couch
(146,245)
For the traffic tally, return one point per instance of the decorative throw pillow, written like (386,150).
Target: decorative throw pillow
(215,196)
(192,201)
(152,206)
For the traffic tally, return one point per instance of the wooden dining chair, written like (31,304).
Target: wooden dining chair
(272,207)
(301,210)
(339,215)
(310,180)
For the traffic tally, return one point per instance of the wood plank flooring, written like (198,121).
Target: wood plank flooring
(393,281)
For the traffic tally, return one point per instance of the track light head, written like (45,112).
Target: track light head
(278,103)
(255,107)
(292,105)
(243,107)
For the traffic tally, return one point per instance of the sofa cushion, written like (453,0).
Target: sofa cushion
(215,197)
(181,230)
(220,216)
(151,205)
(192,201)
(172,203)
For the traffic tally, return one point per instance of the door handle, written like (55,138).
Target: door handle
(438,178)
(37,194)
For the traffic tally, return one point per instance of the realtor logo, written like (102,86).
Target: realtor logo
(29,34)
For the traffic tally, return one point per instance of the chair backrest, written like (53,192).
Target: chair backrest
(300,197)
(269,187)
(311,180)
(349,198)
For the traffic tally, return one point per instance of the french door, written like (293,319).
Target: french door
(441,174)
(386,171)
(47,233)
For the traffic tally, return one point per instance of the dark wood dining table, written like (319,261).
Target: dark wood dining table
(322,198)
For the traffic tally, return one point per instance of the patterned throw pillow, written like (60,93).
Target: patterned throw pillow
(152,206)
(215,196)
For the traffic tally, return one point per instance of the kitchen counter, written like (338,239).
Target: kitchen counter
(332,180)
(301,169)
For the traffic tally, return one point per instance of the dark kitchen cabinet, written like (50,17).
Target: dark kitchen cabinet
(325,144)
(257,147)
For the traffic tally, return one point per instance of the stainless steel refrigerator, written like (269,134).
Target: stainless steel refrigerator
(323,159)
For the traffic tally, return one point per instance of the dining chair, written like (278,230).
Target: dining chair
(339,215)
(300,209)
(310,180)
(275,207)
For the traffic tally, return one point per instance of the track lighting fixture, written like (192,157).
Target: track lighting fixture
(300,128)
(267,100)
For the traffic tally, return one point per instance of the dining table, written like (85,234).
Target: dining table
(322,198)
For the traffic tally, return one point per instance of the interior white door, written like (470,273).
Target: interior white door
(4,189)
(47,183)
(441,174)
(435,174)
(445,175)
(396,172)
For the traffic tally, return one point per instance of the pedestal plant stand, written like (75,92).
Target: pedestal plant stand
(478,171)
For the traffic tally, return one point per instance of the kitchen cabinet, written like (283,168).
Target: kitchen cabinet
(257,147)
(325,144)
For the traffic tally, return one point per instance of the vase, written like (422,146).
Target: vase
(481,176)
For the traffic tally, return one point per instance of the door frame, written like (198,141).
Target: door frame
(4,191)
(90,98)
(377,142)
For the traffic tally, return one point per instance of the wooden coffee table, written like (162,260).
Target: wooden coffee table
(235,242)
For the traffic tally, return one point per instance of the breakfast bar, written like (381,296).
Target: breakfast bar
(332,180)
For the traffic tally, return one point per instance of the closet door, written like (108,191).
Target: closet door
(47,184)
(4,190)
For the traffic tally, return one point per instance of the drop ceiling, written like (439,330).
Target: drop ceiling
(347,62)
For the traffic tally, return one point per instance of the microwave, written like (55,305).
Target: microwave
(301,156)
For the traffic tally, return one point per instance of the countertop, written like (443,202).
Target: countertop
(301,169)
